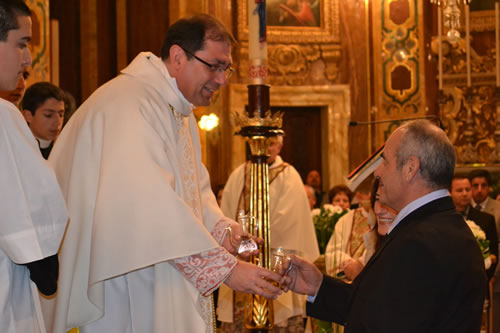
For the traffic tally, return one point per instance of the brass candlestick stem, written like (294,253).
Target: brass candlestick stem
(258,127)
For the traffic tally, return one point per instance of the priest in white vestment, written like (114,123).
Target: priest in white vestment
(146,244)
(33,215)
(292,229)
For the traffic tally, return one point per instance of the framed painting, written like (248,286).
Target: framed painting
(296,21)
(40,46)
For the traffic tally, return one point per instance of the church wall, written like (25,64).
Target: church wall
(98,38)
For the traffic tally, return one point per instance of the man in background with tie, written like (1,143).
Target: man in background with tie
(461,194)
(480,180)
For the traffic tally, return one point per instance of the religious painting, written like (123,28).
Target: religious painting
(39,46)
(296,21)
(294,13)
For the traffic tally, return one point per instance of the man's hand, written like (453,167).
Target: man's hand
(352,268)
(303,278)
(249,278)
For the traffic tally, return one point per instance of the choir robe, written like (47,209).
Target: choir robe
(32,222)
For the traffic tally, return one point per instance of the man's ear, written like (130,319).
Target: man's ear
(27,115)
(411,168)
(177,55)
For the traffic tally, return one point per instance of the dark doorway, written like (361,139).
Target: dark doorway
(302,142)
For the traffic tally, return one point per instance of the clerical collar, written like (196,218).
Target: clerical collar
(43,143)
(160,65)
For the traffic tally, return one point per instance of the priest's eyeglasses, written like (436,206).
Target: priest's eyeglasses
(227,70)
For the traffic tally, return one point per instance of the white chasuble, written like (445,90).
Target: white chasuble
(139,197)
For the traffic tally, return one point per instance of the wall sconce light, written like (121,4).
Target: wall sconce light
(208,123)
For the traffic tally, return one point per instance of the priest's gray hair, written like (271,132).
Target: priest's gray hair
(434,151)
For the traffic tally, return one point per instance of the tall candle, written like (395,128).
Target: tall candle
(440,50)
(257,44)
(497,41)
(467,41)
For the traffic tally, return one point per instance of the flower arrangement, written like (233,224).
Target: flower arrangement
(482,242)
(324,222)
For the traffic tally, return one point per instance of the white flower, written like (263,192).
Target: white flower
(315,212)
(476,230)
(333,209)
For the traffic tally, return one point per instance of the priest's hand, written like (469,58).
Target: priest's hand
(233,238)
(302,277)
(249,278)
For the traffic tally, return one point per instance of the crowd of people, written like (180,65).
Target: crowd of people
(120,231)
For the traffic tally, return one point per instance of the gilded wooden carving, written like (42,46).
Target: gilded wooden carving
(398,58)
(469,115)
(469,119)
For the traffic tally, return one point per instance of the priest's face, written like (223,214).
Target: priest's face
(14,54)
(199,79)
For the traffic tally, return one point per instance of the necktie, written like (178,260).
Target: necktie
(478,207)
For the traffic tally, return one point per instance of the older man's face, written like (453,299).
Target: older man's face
(392,187)
(313,179)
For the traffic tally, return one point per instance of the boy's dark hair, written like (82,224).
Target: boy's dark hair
(38,93)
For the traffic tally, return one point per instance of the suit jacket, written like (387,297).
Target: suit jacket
(427,276)
(487,223)
(493,207)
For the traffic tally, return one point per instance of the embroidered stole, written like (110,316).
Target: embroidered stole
(192,195)
(356,246)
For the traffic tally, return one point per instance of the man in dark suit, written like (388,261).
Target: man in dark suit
(480,180)
(428,274)
(460,191)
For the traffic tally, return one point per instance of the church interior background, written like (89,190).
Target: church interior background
(351,61)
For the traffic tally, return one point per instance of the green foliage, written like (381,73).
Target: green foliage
(325,220)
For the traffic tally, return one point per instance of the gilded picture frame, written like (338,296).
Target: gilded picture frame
(40,42)
(326,28)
